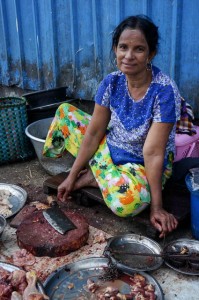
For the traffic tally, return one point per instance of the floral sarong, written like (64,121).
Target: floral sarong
(124,187)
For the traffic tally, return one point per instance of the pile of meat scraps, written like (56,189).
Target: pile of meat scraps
(19,285)
(139,290)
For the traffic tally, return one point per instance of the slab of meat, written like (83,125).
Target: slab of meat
(12,281)
(18,280)
(5,205)
(37,236)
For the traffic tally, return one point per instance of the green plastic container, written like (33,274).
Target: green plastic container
(14,144)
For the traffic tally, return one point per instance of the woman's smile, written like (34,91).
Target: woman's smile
(129,64)
(132,52)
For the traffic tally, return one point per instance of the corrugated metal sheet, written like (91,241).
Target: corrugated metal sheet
(52,43)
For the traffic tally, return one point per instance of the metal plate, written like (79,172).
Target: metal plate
(176,246)
(56,285)
(17,199)
(134,243)
(11,268)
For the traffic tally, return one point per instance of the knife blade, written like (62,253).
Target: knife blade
(57,218)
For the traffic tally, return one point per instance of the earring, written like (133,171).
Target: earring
(115,61)
(149,66)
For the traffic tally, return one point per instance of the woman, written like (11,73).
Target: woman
(129,141)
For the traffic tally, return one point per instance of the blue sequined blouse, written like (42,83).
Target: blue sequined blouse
(131,120)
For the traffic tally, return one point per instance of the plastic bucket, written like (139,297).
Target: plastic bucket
(194,207)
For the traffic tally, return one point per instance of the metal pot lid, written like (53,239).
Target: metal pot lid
(17,198)
(136,244)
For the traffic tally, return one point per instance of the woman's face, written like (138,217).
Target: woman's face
(132,52)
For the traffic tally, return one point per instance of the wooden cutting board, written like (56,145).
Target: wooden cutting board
(26,211)
(38,237)
(51,184)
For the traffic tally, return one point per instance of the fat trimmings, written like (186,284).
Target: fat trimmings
(5,205)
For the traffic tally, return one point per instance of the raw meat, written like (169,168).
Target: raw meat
(16,296)
(23,258)
(19,285)
(31,292)
(5,205)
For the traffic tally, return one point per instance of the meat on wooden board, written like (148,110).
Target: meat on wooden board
(37,236)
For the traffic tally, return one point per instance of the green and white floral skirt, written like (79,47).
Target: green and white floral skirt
(124,187)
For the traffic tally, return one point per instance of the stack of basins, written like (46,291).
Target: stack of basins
(43,104)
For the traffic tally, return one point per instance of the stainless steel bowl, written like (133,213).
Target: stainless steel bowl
(37,133)
(2,224)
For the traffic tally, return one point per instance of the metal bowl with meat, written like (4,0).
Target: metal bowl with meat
(95,278)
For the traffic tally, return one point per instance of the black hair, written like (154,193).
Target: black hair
(143,23)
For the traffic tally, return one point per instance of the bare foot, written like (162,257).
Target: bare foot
(85,179)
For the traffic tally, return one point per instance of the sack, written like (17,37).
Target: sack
(14,144)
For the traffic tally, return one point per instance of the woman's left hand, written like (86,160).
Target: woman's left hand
(163,221)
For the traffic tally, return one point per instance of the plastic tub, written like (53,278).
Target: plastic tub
(194,206)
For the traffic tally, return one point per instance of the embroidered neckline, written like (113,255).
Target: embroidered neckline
(141,99)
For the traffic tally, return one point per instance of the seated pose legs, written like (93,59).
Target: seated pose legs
(129,142)
(124,187)
(84,179)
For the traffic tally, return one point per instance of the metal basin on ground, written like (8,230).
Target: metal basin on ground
(37,132)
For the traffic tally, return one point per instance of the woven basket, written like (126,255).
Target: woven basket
(14,144)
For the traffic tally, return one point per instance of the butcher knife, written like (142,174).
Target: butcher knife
(57,218)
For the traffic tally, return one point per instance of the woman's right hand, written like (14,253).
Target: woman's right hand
(65,188)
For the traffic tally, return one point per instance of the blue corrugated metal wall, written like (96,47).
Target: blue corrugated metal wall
(52,43)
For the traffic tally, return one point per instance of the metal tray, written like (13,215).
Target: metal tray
(17,199)
(134,243)
(57,284)
(11,268)
(176,246)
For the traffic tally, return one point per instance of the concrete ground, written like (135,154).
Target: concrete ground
(31,176)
